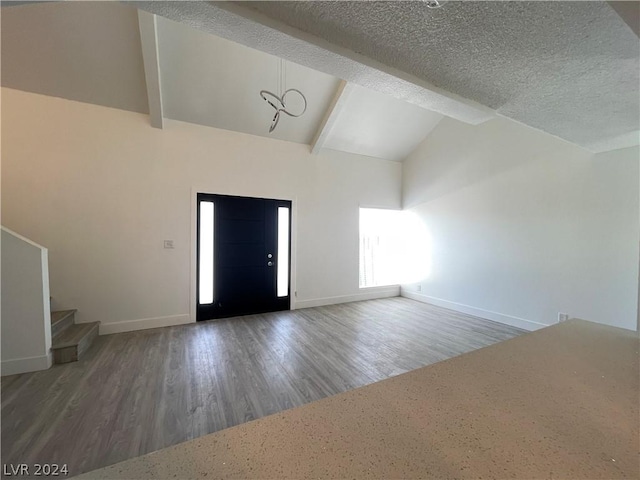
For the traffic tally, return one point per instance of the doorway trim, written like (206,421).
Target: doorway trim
(193,243)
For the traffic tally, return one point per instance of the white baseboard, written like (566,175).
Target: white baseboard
(477,312)
(24,365)
(143,324)
(367,294)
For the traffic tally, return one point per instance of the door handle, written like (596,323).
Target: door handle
(270,264)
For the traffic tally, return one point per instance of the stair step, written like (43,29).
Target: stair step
(61,320)
(70,344)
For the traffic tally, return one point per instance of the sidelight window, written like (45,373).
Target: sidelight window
(206,253)
(283,252)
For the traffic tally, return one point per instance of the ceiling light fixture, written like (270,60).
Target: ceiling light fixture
(279,102)
(434,3)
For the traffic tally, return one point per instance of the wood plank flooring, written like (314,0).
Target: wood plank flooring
(138,392)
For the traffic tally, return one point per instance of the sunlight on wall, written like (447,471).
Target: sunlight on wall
(394,248)
(415,247)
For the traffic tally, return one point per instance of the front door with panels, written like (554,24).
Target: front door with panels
(243,255)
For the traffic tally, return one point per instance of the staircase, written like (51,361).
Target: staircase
(70,340)
(25,291)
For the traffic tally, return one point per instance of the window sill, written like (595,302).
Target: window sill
(391,285)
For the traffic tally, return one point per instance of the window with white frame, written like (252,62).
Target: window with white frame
(380,236)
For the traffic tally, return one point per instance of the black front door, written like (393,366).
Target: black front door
(243,256)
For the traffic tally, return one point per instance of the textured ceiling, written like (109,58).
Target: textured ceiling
(91,52)
(84,51)
(568,68)
(250,28)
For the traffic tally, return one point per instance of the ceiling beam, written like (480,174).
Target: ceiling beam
(238,22)
(333,111)
(148,25)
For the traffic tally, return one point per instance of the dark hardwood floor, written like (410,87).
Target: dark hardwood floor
(138,392)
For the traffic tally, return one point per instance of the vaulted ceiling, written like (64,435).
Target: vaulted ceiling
(568,68)
(378,76)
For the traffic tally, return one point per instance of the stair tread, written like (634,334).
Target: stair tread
(73,335)
(60,315)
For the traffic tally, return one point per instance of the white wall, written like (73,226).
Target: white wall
(102,189)
(523,225)
(26,318)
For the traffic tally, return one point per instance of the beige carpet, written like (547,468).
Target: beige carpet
(561,402)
